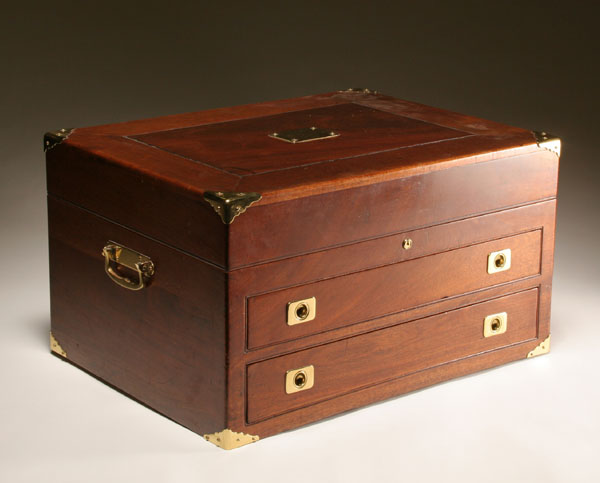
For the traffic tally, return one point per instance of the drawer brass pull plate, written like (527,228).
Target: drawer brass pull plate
(300,379)
(116,256)
(495,324)
(499,261)
(301,311)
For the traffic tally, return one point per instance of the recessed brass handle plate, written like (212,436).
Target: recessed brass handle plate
(304,135)
(116,256)
(301,311)
(498,261)
(495,324)
(300,379)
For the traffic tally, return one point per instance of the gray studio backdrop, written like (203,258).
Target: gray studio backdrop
(71,64)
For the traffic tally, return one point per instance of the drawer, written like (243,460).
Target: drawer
(358,362)
(365,295)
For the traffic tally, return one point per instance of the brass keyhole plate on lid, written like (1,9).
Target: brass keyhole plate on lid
(300,379)
(495,324)
(304,135)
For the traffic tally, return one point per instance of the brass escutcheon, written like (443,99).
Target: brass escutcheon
(299,379)
(495,324)
(301,311)
(407,243)
(499,261)
(303,135)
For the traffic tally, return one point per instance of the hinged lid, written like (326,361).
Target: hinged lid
(187,179)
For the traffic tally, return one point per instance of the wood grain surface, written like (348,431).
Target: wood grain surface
(163,345)
(207,344)
(350,299)
(116,172)
(369,359)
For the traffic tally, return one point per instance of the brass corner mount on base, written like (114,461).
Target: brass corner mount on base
(55,347)
(542,348)
(548,141)
(228,204)
(228,439)
(52,138)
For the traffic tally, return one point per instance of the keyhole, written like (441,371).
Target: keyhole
(300,379)
(496,325)
(302,311)
(500,260)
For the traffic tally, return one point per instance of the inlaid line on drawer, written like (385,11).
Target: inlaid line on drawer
(386,354)
(369,294)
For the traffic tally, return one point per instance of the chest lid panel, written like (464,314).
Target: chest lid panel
(166,177)
(248,147)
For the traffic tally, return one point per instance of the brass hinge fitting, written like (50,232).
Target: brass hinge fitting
(228,205)
(361,90)
(548,141)
(542,348)
(228,439)
(52,138)
(55,347)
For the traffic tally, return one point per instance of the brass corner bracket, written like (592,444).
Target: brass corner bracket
(52,138)
(548,141)
(361,90)
(55,347)
(228,439)
(542,348)
(228,204)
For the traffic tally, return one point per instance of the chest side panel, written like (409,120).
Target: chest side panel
(164,344)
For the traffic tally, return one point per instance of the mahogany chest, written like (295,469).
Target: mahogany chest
(248,270)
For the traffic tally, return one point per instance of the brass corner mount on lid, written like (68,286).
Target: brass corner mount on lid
(52,138)
(228,204)
(548,141)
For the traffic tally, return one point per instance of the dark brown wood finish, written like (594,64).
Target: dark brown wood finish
(207,344)
(269,232)
(159,192)
(244,148)
(164,345)
(370,359)
(322,265)
(351,299)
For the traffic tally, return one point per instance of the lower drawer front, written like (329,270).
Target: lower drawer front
(369,359)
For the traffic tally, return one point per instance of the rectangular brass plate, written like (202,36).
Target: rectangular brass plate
(304,135)
(495,324)
(299,379)
(499,261)
(301,311)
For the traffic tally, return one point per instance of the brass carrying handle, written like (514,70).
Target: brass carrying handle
(115,255)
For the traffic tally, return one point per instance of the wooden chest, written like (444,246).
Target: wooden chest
(248,270)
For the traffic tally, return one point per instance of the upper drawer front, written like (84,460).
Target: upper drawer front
(365,360)
(368,294)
